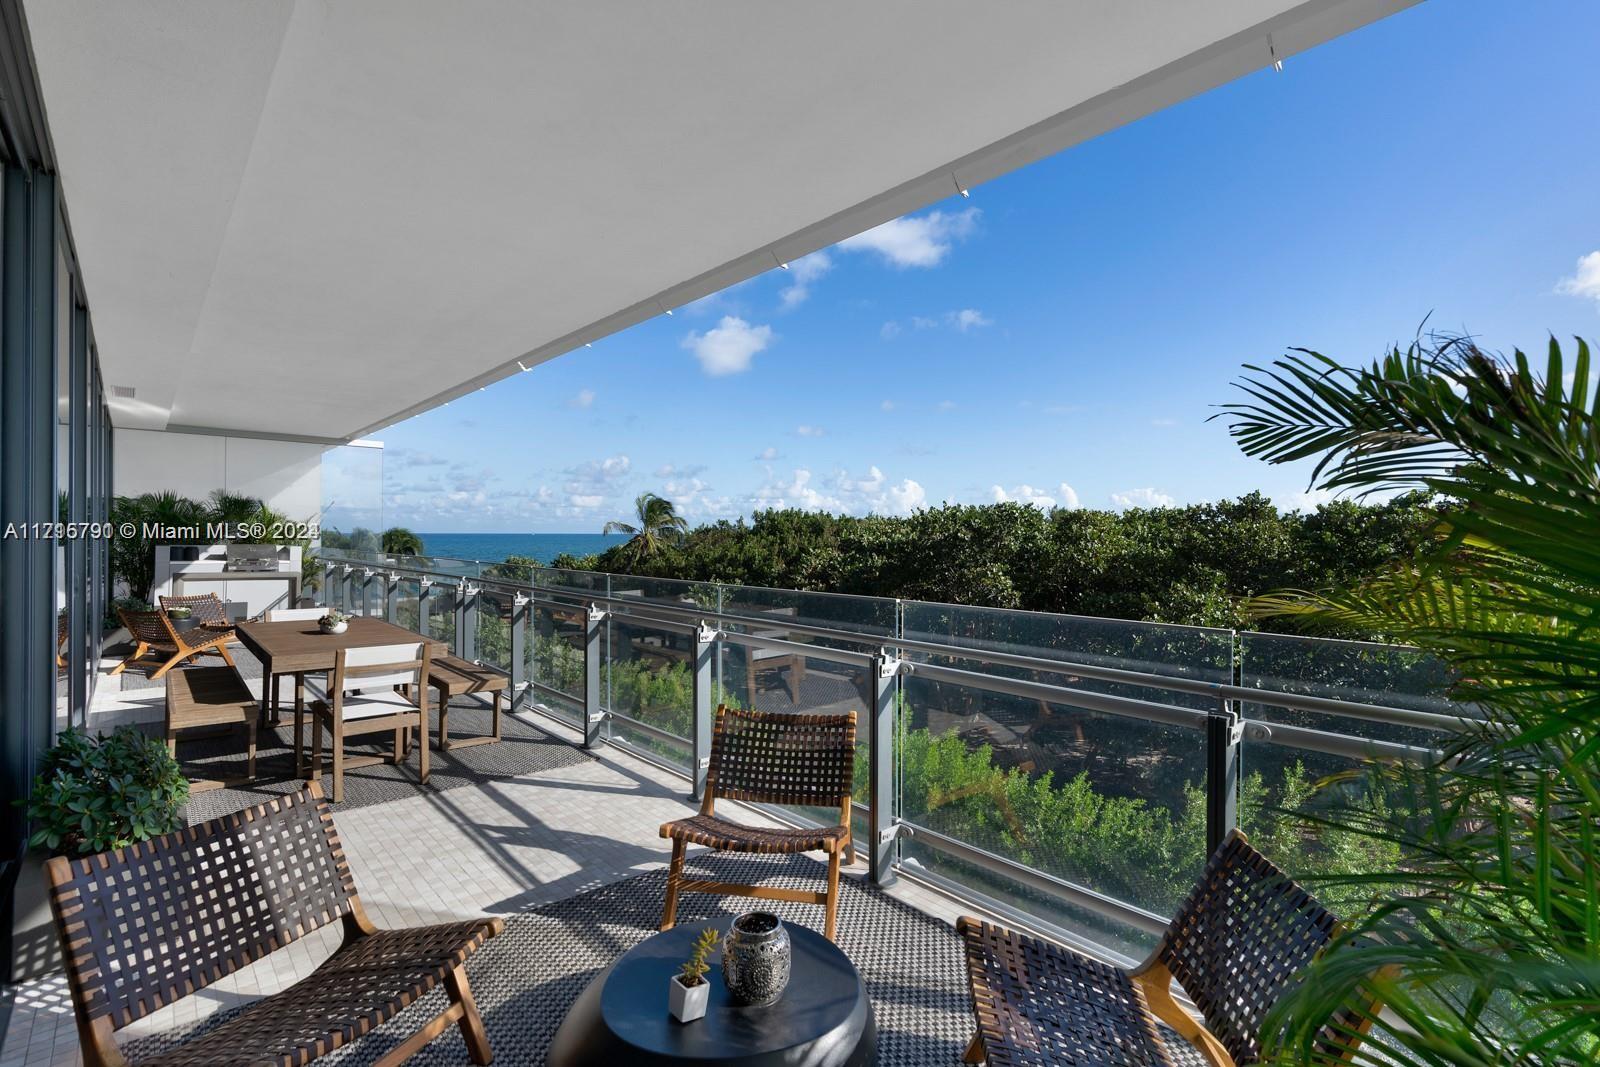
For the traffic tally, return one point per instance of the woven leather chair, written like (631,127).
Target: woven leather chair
(146,925)
(363,699)
(205,608)
(771,758)
(1236,946)
(153,632)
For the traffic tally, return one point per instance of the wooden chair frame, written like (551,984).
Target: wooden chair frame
(708,829)
(153,631)
(103,1003)
(329,715)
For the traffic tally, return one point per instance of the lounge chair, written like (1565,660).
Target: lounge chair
(1236,945)
(771,758)
(153,632)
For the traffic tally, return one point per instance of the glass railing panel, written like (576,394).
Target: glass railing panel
(648,676)
(1192,654)
(406,612)
(1282,784)
(1356,671)
(873,616)
(493,638)
(442,613)
(1107,802)
(554,665)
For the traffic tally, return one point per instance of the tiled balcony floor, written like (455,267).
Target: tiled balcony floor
(493,848)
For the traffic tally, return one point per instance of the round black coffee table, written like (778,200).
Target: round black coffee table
(823,1018)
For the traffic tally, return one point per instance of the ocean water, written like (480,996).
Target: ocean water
(494,547)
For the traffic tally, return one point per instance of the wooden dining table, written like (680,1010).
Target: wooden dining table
(300,647)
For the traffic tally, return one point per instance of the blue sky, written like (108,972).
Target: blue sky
(1062,335)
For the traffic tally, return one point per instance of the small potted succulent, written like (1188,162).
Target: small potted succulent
(182,618)
(688,991)
(334,622)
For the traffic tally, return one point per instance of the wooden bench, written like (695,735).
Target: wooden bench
(450,676)
(211,697)
(144,926)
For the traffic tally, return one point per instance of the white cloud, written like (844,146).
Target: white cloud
(947,405)
(809,431)
(1043,499)
(1585,281)
(915,241)
(968,319)
(1311,499)
(803,273)
(922,323)
(768,454)
(1163,422)
(583,399)
(1141,498)
(887,405)
(585,500)
(888,330)
(872,493)
(729,347)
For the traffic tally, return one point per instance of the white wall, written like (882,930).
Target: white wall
(286,475)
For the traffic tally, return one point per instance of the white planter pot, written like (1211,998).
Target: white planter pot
(336,628)
(687,1003)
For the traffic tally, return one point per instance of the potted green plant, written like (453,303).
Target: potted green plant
(103,792)
(182,618)
(334,622)
(688,991)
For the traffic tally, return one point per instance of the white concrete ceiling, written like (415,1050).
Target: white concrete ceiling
(317,217)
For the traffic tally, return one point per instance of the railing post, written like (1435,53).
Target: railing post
(520,607)
(348,589)
(366,591)
(325,593)
(391,598)
(593,714)
(1222,774)
(881,849)
(424,609)
(467,622)
(705,650)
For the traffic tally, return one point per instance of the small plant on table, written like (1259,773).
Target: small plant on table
(688,990)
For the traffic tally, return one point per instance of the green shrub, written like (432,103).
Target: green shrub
(93,794)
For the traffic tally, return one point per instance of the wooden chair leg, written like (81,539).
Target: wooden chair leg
(422,748)
(171,663)
(497,693)
(669,912)
(831,908)
(338,764)
(974,1053)
(471,1022)
(139,651)
(222,650)
(250,749)
(443,696)
(314,772)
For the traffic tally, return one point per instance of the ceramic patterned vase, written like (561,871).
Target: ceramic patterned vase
(755,958)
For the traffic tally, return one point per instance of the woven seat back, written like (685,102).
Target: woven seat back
(149,627)
(144,925)
(779,758)
(206,608)
(1240,942)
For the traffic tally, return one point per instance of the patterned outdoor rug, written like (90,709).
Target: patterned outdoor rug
(527,978)
(525,750)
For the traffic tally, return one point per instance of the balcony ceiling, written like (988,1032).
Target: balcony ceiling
(315,218)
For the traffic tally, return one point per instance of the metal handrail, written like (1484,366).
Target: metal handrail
(686,615)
